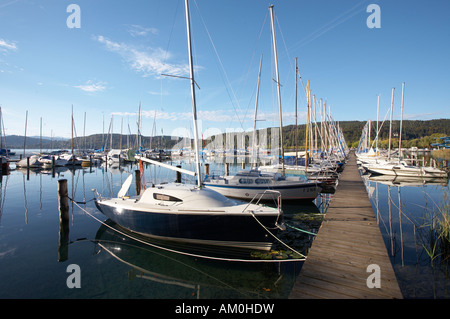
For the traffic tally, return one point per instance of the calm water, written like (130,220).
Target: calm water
(404,212)
(35,252)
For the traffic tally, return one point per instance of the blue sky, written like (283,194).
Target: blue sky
(113,62)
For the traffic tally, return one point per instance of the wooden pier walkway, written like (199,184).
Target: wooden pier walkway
(348,241)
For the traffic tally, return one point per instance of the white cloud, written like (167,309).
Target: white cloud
(91,87)
(158,93)
(5,45)
(218,116)
(149,63)
(137,30)
(160,115)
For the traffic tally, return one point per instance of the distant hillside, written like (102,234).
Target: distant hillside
(95,141)
(17,141)
(351,129)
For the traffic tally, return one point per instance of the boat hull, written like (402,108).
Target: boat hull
(287,192)
(424,172)
(196,226)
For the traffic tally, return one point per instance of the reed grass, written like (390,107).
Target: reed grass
(437,239)
(442,153)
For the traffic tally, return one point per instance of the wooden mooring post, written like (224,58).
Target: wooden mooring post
(63,200)
(178,180)
(138,181)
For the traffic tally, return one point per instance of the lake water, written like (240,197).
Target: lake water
(404,211)
(36,249)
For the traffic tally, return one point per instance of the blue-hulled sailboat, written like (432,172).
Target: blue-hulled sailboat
(192,213)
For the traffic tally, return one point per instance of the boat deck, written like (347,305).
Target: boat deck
(348,241)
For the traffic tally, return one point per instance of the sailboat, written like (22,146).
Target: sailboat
(247,184)
(398,167)
(323,170)
(401,168)
(4,153)
(192,213)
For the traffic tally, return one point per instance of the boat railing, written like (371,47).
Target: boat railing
(259,196)
(97,195)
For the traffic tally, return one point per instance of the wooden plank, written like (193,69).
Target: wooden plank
(341,286)
(348,241)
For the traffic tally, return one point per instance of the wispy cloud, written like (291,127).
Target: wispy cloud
(91,87)
(149,63)
(7,46)
(138,31)
(424,116)
(218,116)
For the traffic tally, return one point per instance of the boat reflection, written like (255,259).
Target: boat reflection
(407,180)
(170,264)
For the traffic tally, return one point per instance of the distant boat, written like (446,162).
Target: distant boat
(31,162)
(6,152)
(48,161)
(407,180)
(313,172)
(114,156)
(71,159)
(192,213)
(5,164)
(403,169)
(250,183)
(247,184)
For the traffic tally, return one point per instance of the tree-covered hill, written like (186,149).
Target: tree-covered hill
(412,130)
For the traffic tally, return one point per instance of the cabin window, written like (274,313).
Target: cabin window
(166,197)
(262,181)
(245,181)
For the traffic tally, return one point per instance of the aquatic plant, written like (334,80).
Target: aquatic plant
(437,238)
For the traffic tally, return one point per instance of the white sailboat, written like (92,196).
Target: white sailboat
(314,169)
(403,169)
(193,213)
(397,166)
(248,183)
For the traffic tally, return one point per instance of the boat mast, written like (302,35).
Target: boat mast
(278,87)
(390,125)
(307,126)
(73,159)
(138,135)
(194,108)
(378,109)
(25,136)
(401,124)
(296,117)
(255,148)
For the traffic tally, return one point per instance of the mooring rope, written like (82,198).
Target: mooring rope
(302,230)
(195,255)
(277,237)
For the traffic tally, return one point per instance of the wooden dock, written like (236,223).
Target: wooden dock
(348,241)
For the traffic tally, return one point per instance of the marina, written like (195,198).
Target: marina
(119,264)
(229,196)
